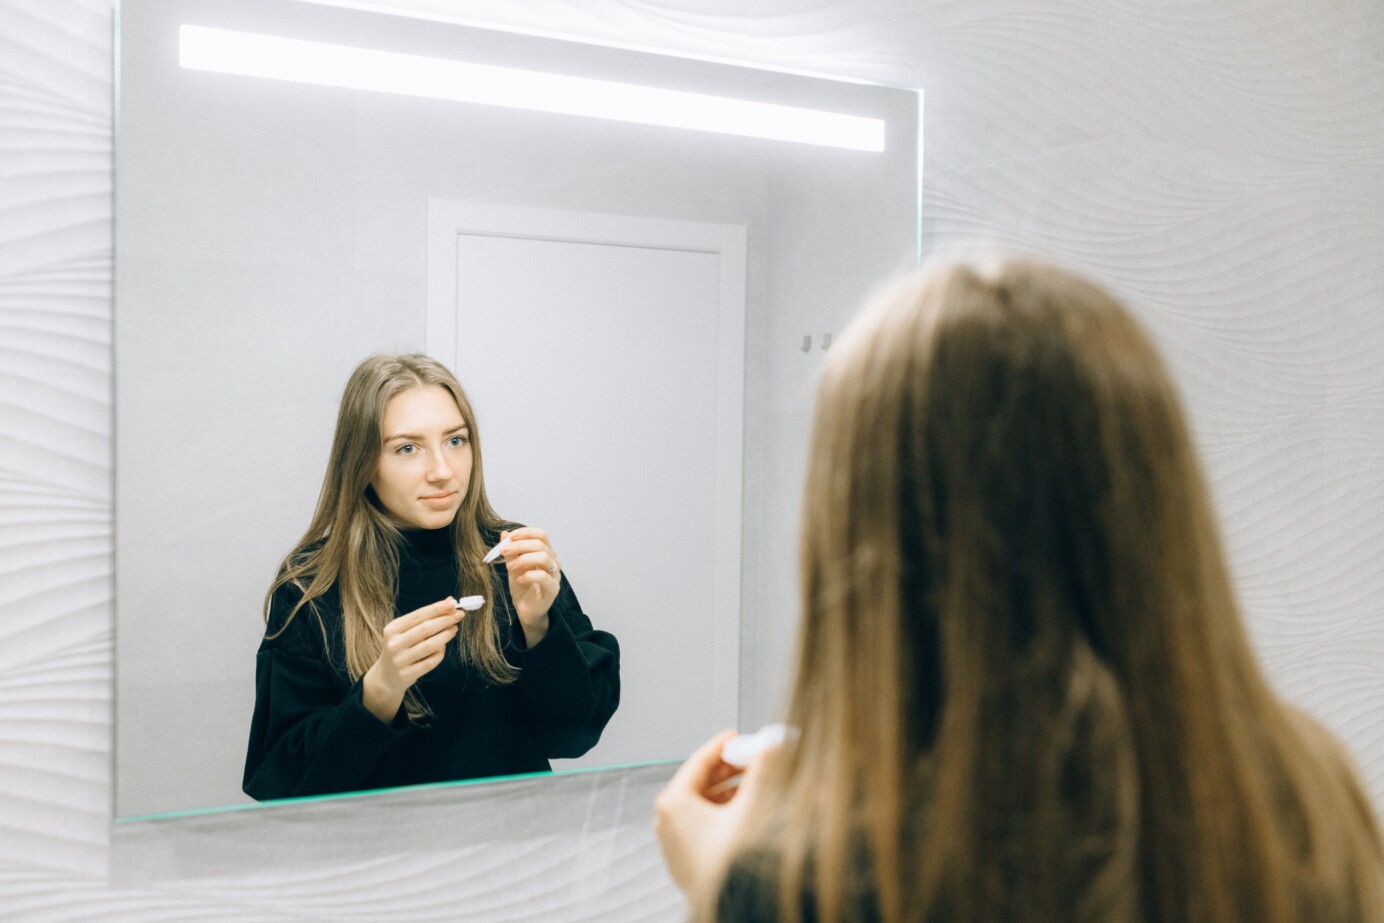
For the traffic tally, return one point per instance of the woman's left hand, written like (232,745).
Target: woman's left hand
(697,815)
(533,579)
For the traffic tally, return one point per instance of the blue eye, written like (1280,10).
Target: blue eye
(407,448)
(457,442)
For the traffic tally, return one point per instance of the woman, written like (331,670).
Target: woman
(369,674)
(1023,690)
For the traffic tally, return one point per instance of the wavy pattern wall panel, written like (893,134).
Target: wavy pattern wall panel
(1220,162)
(55,315)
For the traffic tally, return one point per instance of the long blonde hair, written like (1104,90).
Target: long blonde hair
(1023,685)
(352,544)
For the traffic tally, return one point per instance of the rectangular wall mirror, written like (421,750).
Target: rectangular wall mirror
(637,307)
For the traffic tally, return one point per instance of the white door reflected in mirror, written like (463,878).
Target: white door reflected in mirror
(607,359)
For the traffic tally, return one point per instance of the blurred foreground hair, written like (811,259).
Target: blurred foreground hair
(1023,685)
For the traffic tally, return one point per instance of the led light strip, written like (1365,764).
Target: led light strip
(277,58)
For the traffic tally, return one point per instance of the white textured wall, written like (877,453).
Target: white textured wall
(1219,162)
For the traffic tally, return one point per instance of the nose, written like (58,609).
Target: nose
(439,470)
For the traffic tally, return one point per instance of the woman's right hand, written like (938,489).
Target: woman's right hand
(698,815)
(413,645)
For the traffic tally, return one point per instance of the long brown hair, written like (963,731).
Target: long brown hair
(352,544)
(1023,685)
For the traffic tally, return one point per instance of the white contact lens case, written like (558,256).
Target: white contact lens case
(741,749)
(470,603)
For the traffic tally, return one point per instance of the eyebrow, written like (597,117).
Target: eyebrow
(414,437)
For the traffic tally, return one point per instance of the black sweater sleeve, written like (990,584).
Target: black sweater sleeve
(570,679)
(747,896)
(310,733)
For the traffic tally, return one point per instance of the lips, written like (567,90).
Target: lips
(438,498)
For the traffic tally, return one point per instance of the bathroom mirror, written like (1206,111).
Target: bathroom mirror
(636,305)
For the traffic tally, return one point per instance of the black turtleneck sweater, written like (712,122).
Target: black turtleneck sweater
(311,733)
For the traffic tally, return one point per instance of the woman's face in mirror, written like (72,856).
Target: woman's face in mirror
(425,458)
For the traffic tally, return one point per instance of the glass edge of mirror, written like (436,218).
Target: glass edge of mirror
(556,774)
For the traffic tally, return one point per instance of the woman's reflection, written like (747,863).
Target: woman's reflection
(369,675)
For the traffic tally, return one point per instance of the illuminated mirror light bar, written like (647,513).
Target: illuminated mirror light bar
(277,58)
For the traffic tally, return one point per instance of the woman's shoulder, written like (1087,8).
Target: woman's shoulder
(303,555)
(295,625)
(1328,750)
(749,888)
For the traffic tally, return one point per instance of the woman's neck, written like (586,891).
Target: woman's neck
(428,544)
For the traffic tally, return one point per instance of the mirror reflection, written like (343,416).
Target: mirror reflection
(623,306)
(413,635)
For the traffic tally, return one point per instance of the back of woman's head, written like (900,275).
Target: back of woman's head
(1023,684)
